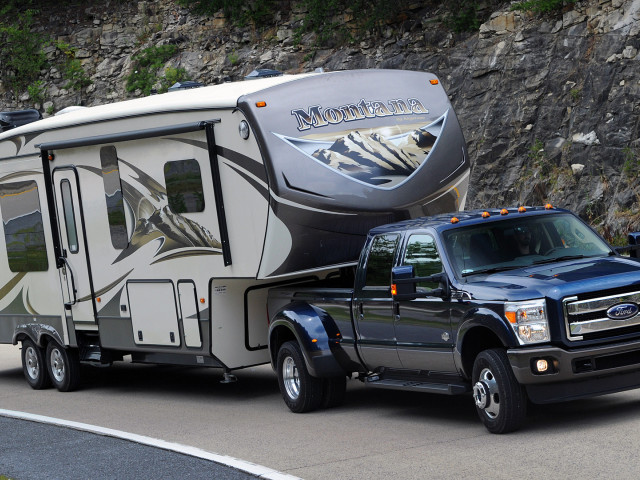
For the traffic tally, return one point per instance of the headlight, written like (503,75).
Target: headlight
(528,320)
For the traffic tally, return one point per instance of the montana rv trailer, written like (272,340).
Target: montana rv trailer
(155,227)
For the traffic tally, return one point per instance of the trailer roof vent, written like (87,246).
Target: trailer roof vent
(263,73)
(9,120)
(186,85)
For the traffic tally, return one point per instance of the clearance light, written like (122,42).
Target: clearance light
(504,211)
(98,299)
(521,209)
(454,220)
(202,300)
(51,157)
(548,206)
(434,81)
(315,340)
(486,214)
(394,289)
(542,365)
(261,104)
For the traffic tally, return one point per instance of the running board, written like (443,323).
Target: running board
(414,386)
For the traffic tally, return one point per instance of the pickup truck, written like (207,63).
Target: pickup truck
(507,306)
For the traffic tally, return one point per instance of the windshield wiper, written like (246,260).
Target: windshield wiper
(558,259)
(491,270)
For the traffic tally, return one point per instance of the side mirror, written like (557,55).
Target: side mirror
(403,284)
(634,245)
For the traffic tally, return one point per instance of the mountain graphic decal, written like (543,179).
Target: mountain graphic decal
(371,157)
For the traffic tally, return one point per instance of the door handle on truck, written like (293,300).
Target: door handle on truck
(360,309)
(396,309)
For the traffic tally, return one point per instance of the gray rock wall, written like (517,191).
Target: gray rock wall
(549,104)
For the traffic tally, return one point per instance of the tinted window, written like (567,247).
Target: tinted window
(184,186)
(69,218)
(23,228)
(423,255)
(380,261)
(113,197)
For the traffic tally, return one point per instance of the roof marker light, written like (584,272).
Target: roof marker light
(521,209)
(454,220)
(434,81)
(548,206)
(486,214)
(504,211)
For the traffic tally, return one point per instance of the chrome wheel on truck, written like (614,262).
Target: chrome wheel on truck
(500,400)
(33,365)
(63,366)
(300,391)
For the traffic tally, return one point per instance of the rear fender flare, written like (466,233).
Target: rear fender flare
(39,333)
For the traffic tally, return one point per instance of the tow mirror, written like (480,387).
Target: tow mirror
(634,245)
(403,284)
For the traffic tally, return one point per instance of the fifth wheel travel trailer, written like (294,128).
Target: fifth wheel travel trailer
(155,227)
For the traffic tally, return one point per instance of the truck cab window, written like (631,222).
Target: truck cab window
(422,253)
(184,186)
(23,227)
(113,197)
(380,262)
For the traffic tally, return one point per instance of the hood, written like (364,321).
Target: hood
(557,280)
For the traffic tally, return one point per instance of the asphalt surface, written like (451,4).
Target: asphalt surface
(37,451)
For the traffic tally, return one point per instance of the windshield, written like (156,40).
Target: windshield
(521,242)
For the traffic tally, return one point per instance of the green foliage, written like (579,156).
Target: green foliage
(146,66)
(239,12)
(631,167)
(72,70)
(462,16)
(541,6)
(172,76)
(21,54)
(36,91)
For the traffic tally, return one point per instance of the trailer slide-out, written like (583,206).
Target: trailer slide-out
(155,227)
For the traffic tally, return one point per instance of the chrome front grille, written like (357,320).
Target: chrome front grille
(597,315)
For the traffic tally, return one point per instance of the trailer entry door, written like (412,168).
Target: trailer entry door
(75,269)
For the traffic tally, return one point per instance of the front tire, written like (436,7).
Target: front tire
(500,400)
(63,366)
(34,365)
(301,392)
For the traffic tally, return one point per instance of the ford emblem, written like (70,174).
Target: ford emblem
(622,311)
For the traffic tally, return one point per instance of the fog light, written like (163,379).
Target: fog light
(542,365)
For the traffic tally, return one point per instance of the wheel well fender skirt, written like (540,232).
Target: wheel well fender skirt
(482,328)
(316,333)
(39,333)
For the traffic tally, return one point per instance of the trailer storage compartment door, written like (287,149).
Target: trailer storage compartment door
(154,316)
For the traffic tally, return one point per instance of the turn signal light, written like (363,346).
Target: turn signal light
(394,289)
(434,81)
(261,104)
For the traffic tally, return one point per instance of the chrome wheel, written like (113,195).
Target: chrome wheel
(486,394)
(32,365)
(57,365)
(291,378)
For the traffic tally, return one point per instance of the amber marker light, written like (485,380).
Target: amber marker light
(504,211)
(315,340)
(202,300)
(454,220)
(51,157)
(261,104)
(486,214)
(521,209)
(511,316)
(548,206)
(98,299)
(394,289)
(434,81)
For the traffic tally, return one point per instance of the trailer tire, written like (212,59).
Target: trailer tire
(34,365)
(334,391)
(500,400)
(63,365)
(301,392)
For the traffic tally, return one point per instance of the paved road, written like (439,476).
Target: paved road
(38,451)
(375,435)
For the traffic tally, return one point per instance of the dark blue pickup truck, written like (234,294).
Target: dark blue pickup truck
(507,305)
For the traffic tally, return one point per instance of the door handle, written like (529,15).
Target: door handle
(396,309)
(67,267)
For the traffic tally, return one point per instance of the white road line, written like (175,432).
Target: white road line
(252,468)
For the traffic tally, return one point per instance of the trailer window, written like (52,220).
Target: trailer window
(184,186)
(23,227)
(113,197)
(69,217)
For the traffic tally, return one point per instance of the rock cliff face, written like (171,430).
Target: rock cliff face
(549,104)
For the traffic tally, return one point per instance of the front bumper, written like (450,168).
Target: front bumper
(577,373)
